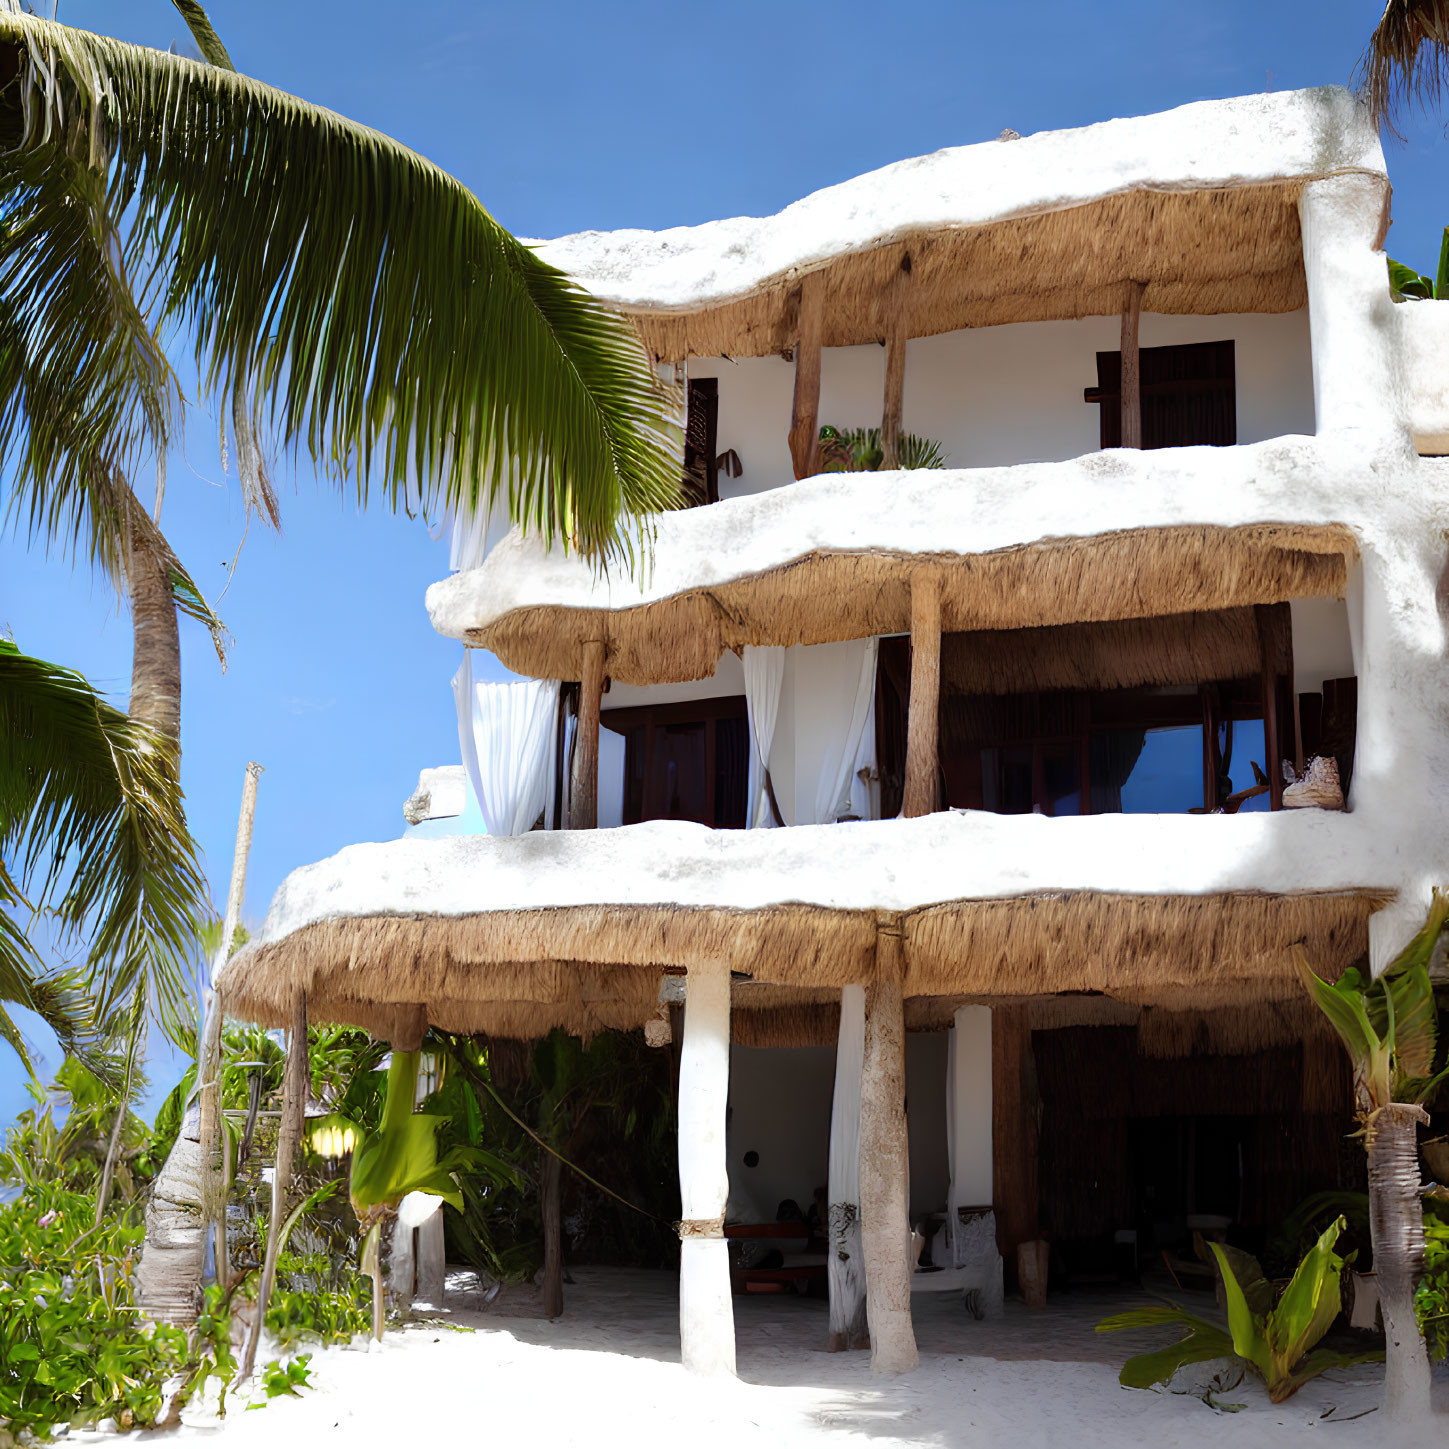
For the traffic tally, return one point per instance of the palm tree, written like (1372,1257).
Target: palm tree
(376,316)
(1407,59)
(1390,1026)
(93,837)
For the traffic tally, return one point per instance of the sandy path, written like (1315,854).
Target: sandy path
(608,1373)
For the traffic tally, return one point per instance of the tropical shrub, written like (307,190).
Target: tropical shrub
(1276,1340)
(1407,285)
(70,1334)
(860,450)
(1431,1301)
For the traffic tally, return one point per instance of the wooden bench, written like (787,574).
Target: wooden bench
(801,1276)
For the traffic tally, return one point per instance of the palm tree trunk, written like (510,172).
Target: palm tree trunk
(1396,1221)
(156,647)
(173,1262)
(551,1196)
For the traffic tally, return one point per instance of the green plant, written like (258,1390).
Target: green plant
(1431,1299)
(1407,285)
(860,450)
(287,1376)
(70,1335)
(1390,1025)
(324,1315)
(1276,1340)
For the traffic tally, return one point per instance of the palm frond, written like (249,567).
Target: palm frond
(394,329)
(207,40)
(92,830)
(1406,63)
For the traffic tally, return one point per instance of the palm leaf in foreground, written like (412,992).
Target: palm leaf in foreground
(392,327)
(93,832)
(1407,59)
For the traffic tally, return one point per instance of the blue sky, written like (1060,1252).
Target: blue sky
(563,117)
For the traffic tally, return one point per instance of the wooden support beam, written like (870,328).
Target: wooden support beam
(706,1313)
(895,325)
(885,1227)
(1282,728)
(923,717)
(1014,1131)
(1132,367)
(289,1135)
(584,791)
(845,1264)
(805,414)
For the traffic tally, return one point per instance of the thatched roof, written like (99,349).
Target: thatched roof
(514,937)
(1109,536)
(1200,203)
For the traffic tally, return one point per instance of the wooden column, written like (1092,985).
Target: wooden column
(289,1135)
(805,414)
(706,1314)
(845,1265)
(1281,725)
(895,307)
(885,1227)
(584,789)
(923,719)
(1014,1119)
(1132,367)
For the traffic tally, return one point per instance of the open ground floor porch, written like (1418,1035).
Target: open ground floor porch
(608,1372)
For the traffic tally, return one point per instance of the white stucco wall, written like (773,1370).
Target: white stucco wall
(780,1108)
(1322,646)
(1002,395)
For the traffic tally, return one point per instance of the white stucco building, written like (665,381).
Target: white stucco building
(994,728)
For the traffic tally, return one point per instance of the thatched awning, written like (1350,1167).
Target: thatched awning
(832,558)
(514,937)
(1199,203)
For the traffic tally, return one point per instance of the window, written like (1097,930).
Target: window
(701,442)
(684,761)
(1189,395)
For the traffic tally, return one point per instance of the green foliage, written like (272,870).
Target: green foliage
(70,1336)
(92,830)
(288,1376)
(1389,1023)
(1431,1301)
(62,1139)
(1407,285)
(429,349)
(1275,1340)
(1303,1226)
(859,450)
(401,1156)
(325,1315)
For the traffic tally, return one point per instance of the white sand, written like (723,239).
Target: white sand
(608,1373)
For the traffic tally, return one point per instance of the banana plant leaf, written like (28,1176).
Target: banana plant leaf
(402,1155)
(1203,1341)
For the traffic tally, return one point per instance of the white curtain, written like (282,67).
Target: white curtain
(764,673)
(835,792)
(468,545)
(506,732)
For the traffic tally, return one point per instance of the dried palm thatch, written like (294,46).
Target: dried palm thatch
(1116,654)
(521,973)
(1206,250)
(826,597)
(1407,60)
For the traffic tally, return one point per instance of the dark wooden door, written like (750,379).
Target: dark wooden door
(1189,396)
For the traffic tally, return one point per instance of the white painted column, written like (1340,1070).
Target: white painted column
(885,1222)
(846,1262)
(968,1112)
(706,1314)
(1350,311)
